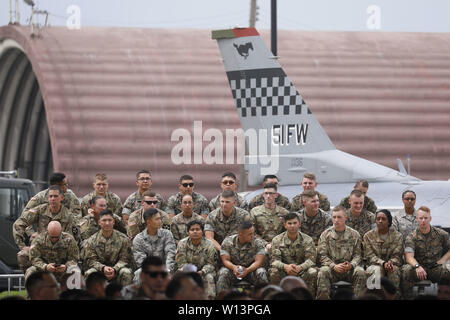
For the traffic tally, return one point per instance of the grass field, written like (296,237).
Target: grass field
(4,294)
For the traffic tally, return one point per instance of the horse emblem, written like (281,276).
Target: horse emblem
(243,49)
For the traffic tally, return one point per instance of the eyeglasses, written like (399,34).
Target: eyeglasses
(188,184)
(145,179)
(409,199)
(154,274)
(228,182)
(151,201)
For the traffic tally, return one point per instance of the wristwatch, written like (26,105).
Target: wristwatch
(416,266)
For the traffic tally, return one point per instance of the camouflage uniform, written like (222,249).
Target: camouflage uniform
(242,255)
(201,205)
(240,202)
(281,201)
(314,226)
(369,204)
(133,202)
(301,251)
(178,226)
(136,222)
(223,226)
(334,248)
(41,216)
(297,202)
(113,203)
(43,252)
(268,223)
(113,252)
(204,256)
(428,249)
(378,250)
(162,245)
(364,223)
(404,223)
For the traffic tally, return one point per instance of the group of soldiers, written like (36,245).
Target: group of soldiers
(229,241)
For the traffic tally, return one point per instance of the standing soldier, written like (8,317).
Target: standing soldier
(109,251)
(358,218)
(281,200)
(136,222)
(383,249)
(100,185)
(427,251)
(243,257)
(313,220)
(179,222)
(53,251)
(309,183)
(405,220)
(42,215)
(228,183)
(186,186)
(339,252)
(293,254)
(199,251)
(134,200)
(363,186)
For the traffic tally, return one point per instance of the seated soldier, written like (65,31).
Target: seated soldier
(228,183)
(180,221)
(363,186)
(109,251)
(136,222)
(405,220)
(53,251)
(198,251)
(427,251)
(339,253)
(293,254)
(281,200)
(359,219)
(242,256)
(383,249)
(309,183)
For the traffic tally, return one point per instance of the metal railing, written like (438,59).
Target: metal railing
(14,276)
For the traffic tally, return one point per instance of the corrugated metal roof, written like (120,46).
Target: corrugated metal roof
(113,97)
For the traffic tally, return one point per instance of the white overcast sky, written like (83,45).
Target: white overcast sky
(394,15)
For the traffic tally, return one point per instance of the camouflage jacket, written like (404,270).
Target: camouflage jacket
(297,203)
(240,202)
(88,226)
(113,203)
(203,256)
(377,251)
(404,223)
(337,247)
(268,223)
(364,223)
(242,254)
(161,245)
(178,225)
(113,252)
(223,226)
(70,201)
(314,226)
(301,251)
(42,216)
(64,251)
(281,201)
(369,204)
(136,222)
(201,205)
(428,248)
(133,202)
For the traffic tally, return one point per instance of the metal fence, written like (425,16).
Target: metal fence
(21,284)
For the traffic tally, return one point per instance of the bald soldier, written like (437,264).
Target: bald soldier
(309,182)
(53,251)
(41,216)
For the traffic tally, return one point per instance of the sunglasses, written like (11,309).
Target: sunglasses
(409,199)
(151,201)
(228,182)
(154,274)
(188,184)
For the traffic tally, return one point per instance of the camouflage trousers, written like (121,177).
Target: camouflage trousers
(378,271)
(210,285)
(327,276)
(23,260)
(124,276)
(409,278)
(227,279)
(309,276)
(58,275)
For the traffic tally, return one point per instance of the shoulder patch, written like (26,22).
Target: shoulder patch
(32,211)
(131,223)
